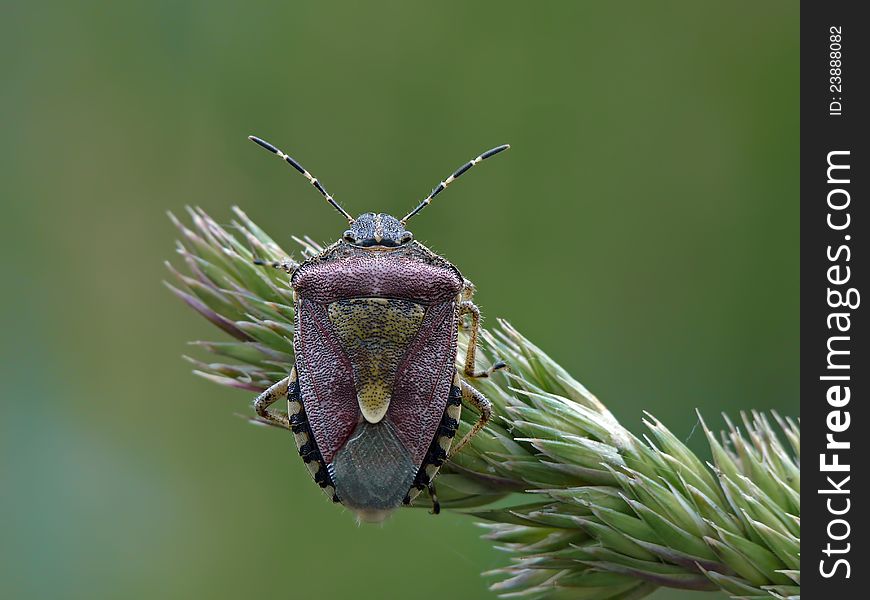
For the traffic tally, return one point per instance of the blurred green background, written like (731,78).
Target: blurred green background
(643,229)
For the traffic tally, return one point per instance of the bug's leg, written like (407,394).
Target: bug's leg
(262,403)
(436,506)
(469,307)
(468,290)
(481,405)
(288,265)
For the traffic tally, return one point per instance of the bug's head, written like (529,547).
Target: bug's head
(377,230)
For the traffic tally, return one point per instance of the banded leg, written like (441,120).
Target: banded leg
(469,307)
(481,405)
(262,403)
(288,265)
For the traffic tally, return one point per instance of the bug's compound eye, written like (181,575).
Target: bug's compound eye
(406,237)
(349,236)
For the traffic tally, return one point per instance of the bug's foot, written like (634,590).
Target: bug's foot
(498,366)
(436,506)
(285,264)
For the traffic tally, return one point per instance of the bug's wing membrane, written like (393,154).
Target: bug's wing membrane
(325,379)
(423,381)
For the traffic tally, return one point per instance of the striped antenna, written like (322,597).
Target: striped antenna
(443,185)
(305,173)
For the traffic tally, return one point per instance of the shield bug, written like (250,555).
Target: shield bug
(374,397)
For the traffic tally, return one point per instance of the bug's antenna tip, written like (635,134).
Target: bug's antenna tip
(264,144)
(311,179)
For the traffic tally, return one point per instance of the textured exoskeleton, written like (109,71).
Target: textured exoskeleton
(374,397)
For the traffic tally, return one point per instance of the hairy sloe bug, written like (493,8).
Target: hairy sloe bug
(374,397)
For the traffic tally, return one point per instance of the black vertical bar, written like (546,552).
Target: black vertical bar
(835,223)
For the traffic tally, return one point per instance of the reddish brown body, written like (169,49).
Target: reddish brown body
(374,397)
(422,381)
(373,458)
